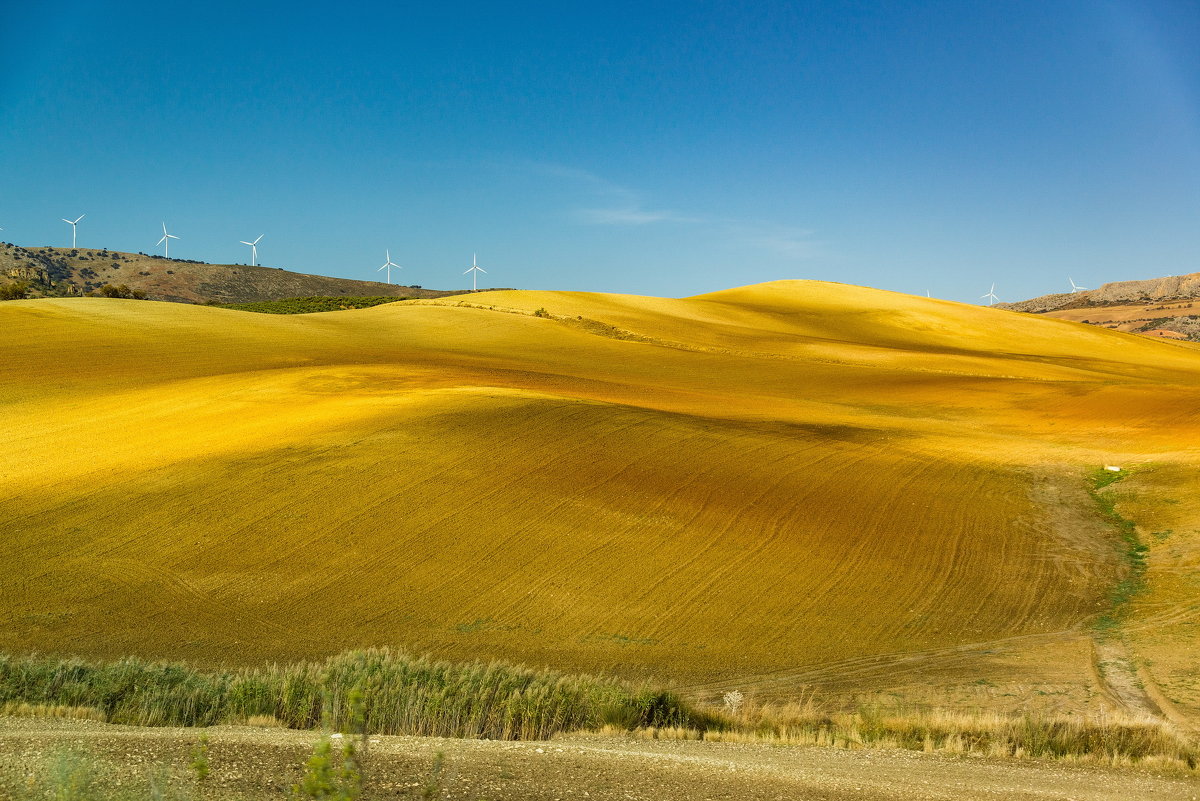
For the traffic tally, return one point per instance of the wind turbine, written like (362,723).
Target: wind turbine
(1074,286)
(991,294)
(253,248)
(166,242)
(73,223)
(475,269)
(388,265)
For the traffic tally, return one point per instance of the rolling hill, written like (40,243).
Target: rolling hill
(778,487)
(1159,307)
(73,272)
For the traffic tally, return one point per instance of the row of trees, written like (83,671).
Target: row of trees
(19,290)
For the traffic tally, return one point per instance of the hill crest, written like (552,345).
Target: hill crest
(1164,308)
(1149,290)
(66,272)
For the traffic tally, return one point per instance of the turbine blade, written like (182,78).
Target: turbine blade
(260,236)
(68,222)
(159,242)
(481,269)
(244,242)
(469,269)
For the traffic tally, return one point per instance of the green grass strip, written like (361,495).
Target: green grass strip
(312,305)
(1134,553)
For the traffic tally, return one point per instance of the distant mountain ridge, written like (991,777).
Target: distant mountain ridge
(1166,308)
(1150,290)
(59,272)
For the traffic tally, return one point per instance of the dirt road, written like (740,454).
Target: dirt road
(263,763)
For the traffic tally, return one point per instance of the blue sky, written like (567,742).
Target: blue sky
(649,148)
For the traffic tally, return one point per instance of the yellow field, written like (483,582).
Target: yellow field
(780,486)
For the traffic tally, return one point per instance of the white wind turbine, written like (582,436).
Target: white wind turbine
(253,248)
(166,242)
(991,295)
(388,265)
(73,223)
(475,269)
(1074,286)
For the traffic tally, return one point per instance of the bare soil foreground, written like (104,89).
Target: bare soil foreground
(263,763)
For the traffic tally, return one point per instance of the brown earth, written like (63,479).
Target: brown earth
(1179,320)
(258,764)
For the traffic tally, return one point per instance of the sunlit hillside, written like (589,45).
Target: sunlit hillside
(782,486)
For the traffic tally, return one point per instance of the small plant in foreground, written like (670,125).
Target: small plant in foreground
(70,777)
(433,785)
(199,763)
(325,781)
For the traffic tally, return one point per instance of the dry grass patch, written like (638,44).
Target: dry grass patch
(21,709)
(1112,739)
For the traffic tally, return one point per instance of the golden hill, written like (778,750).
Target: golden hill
(786,485)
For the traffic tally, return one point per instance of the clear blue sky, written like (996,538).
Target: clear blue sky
(642,147)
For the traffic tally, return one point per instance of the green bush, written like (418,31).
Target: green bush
(18,290)
(122,291)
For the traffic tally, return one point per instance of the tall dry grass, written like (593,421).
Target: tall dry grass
(1109,739)
(402,694)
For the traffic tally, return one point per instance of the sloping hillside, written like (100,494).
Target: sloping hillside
(66,272)
(1159,307)
(787,485)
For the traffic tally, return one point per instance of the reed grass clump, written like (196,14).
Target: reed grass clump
(402,694)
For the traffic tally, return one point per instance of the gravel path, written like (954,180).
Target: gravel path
(263,763)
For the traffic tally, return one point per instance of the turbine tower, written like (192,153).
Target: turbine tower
(475,270)
(991,295)
(253,249)
(1074,286)
(388,265)
(73,223)
(166,242)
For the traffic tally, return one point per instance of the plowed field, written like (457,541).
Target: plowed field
(788,485)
